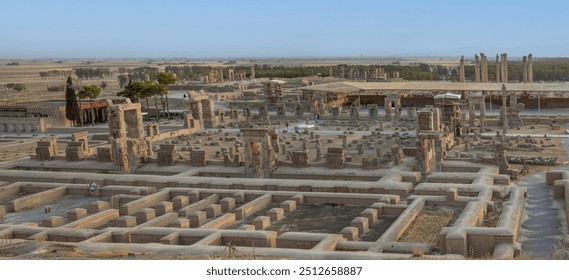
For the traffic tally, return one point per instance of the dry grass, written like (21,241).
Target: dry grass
(427,226)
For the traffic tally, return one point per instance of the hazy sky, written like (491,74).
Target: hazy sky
(294,28)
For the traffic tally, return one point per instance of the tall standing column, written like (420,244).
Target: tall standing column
(483,116)
(504,68)
(504,109)
(530,68)
(484,68)
(461,70)
(476,68)
(497,69)
(525,69)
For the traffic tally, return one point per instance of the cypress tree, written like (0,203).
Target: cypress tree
(71,104)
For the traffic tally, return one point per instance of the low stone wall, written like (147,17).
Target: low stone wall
(397,229)
(147,201)
(222,222)
(95,220)
(253,206)
(387,185)
(559,180)
(36,199)
(467,239)
(198,206)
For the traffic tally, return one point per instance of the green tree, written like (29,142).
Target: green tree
(123,80)
(56,88)
(16,87)
(165,78)
(136,90)
(155,90)
(71,104)
(90,92)
(132,91)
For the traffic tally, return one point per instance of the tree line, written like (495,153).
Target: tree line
(72,110)
(55,73)
(92,73)
(157,89)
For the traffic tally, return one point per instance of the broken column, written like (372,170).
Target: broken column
(373,112)
(167,154)
(335,158)
(46,149)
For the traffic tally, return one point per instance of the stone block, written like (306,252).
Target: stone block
(212,210)
(53,221)
(452,194)
(239,197)
(180,202)
(76,214)
(126,222)
(350,233)
(262,222)
(361,223)
(163,208)
(378,206)
(370,214)
(298,198)
(227,204)
(247,227)
(180,223)
(2,210)
(144,215)
(197,218)
(97,206)
(276,214)
(288,206)
(194,196)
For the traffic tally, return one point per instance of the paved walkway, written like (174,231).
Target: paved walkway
(543,224)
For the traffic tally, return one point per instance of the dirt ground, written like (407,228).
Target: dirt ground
(318,218)
(426,227)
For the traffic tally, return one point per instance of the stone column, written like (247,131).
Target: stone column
(471,113)
(504,109)
(252,72)
(484,70)
(412,112)
(476,68)
(513,99)
(388,112)
(461,70)
(530,68)
(525,69)
(483,116)
(439,155)
(504,68)
(360,149)
(497,68)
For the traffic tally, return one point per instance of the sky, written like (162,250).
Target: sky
(293,28)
